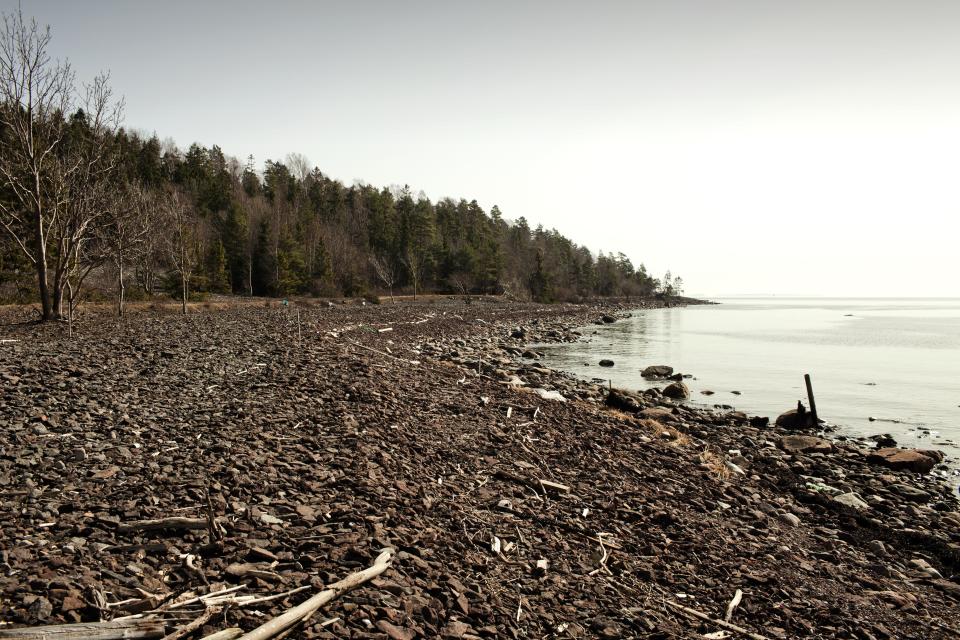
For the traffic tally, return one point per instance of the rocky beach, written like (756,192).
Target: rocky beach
(189,475)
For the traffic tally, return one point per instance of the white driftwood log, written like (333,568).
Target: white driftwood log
(292,616)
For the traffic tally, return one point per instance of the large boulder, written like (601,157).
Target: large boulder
(657,371)
(805,444)
(677,391)
(915,460)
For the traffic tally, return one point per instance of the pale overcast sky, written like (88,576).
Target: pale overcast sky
(750,146)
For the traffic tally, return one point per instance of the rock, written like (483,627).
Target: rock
(530,355)
(623,400)
(659,414)
(550,395)
(883,441)
(915,460)
(910,493)
(455,629)
(877,547)
(40,609)
(657,371)
(790,519)
(950,588)
(677,391)
(925,567)
(804,444)
(707,392)
(396,633)
(794,419)
(851,499)
(607,319)
(606,363)
(72,603)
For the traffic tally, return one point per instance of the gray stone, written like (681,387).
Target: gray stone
(851,499)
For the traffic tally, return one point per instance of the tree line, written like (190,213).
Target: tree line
(83,198)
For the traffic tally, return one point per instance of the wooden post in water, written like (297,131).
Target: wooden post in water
(813,403)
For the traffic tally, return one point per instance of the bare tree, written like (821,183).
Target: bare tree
(53,166)
(299,165)
(124,232)
(35,92)
(89,193)
(384,269)
(416,263)
(181,240)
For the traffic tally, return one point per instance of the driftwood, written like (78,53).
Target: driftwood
(189,628)
(137,629)
(292,616)
(719,623)
(227,634)
(179,524)
(737,597)
(533,483)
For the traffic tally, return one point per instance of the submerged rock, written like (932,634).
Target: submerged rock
(657,371)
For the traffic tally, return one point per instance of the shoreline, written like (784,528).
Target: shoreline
(362,427)
(834,430)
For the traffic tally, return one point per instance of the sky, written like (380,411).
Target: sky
(750,146)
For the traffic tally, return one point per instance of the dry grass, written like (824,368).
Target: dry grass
(657,429)
(715,463)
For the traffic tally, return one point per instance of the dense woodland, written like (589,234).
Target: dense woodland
(84,201)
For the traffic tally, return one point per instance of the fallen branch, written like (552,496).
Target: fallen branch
(292,616)
(382,353)
(227,634)
(141,629)
(719,623)
(187,629)
(737,597)
(176,523)
(534,483)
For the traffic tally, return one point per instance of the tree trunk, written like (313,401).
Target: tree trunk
(57,299)
(120,289)
(41,264)
(183,282)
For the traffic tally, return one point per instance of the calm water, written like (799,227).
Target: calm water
(886,358)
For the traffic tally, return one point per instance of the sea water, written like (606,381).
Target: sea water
(896,361)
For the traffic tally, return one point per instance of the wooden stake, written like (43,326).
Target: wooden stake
(813,403)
